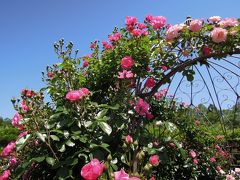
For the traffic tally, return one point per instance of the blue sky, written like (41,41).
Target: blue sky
(29,28)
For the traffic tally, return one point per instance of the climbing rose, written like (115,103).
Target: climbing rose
(141,107)
(15,120)
(121,175)
(136,32)
(128,139)
(141,26)
(212,159)
(229,22)
(131,21)
(125,74)
(195,25)
(13,160)
(230,177)
(206,51)
(158,22)
(149,116)
(154,160)
(106,45)
(5,175)
(127,62)
(193,154)
(214,19)
(219,35)
(150,82)
(195,161)
(164,68)
(77,94)
(92,170)
(85,63)
(149,18)
(115,37)
(8,149)
(173,32)
(152,178)
(24,133)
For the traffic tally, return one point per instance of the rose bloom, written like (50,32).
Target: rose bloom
(141,107)
(127,62)
(237,170)
(77,94)
(195,161)
(136,32)
(50,74)
(164,68)
(150,82)
(193,154)
(13,160)
(5,175)
(125,74)
(115,37)
(106,45)
(121,175)
(141,26)
(195,25)
(230,177)
(154,160)
(212,159)
(149,18)
(130,21)
(229,22)
(128,139)
(149,116)
(206,51)
(219,35)
(158,22)
(8,149)
(85,63)
(92,170)
(173,32)
(22,134)
(15,120)
(214,19)
(152,178)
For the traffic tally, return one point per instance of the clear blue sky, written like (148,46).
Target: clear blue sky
(28,29)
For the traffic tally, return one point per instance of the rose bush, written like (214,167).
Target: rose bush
(108,117)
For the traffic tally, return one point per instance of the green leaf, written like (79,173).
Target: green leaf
(39,159)
(63,148)
(41,136)
(105,127)
(50,160)
(21,142)
(70,143)
(101,114)
(170,126)
(55,138)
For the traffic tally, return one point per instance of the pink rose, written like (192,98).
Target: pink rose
(159,95)
(134,178)
(125,74)
(85,63)
(195,161)
(127,62)
(5,175)
(219,35)
(218,148)
(173,32)
(92,170)
(149,18)
(193,154)
(22,134)
(130,21)
(164,68)
(141,107)
(150,82)
(141,26)
(230,177)
(168,26)
(92,45)
(158,22)
(77,94)
(195,25)
(237,170)
(136,32)
(50,75)
(8,149)
(149,116)
(121,175)
(154,160)
(152,178)
(128,139)
(106,45)
(115,37)
(15,121)
(214,19)
(212,159)
(13,160)
(24,106)
(206,51)
(229,22)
